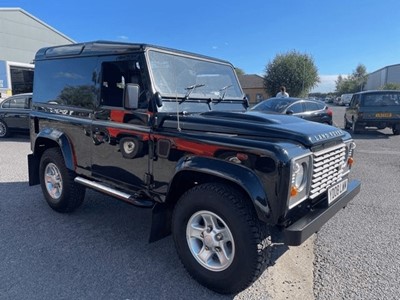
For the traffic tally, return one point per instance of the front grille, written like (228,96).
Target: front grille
(328,169)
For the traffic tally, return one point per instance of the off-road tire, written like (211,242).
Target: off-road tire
(251,238)
(3,129)
(59,189)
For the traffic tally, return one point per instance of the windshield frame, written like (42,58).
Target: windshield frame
(212,76)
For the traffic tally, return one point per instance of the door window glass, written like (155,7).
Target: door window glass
(311,106)
(296,108)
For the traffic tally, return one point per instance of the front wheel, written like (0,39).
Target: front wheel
(61,192)
(219,239)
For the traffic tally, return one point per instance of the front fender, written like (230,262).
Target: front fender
(238,174)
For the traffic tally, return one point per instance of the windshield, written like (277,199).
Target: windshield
(381,99)
(189,77)
(277,105)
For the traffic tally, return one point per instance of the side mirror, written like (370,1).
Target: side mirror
(246,102)
(131,96)
(290,112)
(157,99)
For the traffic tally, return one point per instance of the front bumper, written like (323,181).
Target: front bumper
(302,229)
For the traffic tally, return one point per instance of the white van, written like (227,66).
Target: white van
(345,99)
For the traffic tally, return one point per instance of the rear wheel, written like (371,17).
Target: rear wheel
(130,147)
(218,236)
(61,192)
(3,129)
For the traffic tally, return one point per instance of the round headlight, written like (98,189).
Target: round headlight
(299,173)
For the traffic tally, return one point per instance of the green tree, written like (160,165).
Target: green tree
(294,70)
(354,82)
(390,86)
(239,71)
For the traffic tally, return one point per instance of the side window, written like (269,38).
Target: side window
(296,108)
(114,76)
(67,82)
(352,101)
(355,101)
(311,106)
(17,103)
(112,84)
(6,104)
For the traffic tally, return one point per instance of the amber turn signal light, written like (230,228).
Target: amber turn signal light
(293,191)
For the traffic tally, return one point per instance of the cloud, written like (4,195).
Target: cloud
(327,84)
(122,37)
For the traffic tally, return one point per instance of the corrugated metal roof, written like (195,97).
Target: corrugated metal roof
(37,20)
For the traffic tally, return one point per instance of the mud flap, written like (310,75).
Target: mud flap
(33,169)
(160,222)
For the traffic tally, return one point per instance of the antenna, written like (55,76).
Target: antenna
(177,111)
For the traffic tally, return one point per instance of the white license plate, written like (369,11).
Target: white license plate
(335,191)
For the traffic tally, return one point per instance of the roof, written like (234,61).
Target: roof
(18,9)
(251,81)
(108,48)
(377,91)
(383,68)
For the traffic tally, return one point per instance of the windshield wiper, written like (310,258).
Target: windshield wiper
(190,89)
(224,91)
(221,97)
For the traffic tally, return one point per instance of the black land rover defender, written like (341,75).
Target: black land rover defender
(170,131)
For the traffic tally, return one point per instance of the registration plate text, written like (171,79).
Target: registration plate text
(383,115)
(335,191)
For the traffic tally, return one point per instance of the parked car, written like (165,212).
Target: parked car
(312,110)
(337,101)
(345,99)
(14,114)
(226,182)
(378,109)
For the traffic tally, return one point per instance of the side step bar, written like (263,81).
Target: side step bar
(131,199)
